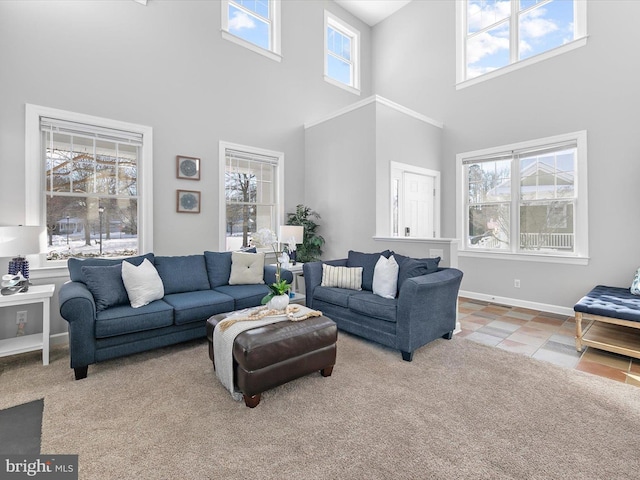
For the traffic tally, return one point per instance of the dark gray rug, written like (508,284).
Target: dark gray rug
(20,429)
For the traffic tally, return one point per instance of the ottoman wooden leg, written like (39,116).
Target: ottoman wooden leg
(327,371)
(252,401)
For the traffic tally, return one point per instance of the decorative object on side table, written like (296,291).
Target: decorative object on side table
(188,168)
(19,240)
(278,296)
(292,235)
(188,201)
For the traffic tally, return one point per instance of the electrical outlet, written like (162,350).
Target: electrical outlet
(516,283)
(21,317)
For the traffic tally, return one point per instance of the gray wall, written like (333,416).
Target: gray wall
(348,174)
(592,88)
(166,66)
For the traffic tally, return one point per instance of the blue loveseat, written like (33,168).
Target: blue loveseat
(425,307)
(103,325)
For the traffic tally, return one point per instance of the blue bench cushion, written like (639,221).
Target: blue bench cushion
(614,302)
(195,306)
(333,295)
(123,319)
(368,263)
(245,296)
(374,306)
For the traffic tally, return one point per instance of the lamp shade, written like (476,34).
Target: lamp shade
(287,232)
(21,240)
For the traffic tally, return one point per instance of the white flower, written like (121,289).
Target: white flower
(264,238)
(291,244)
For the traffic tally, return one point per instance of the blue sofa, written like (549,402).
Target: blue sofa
(103,326)
(425,307)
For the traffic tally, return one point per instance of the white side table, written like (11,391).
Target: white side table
(297,273)
(28,343)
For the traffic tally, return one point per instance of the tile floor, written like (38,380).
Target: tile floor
(541,335)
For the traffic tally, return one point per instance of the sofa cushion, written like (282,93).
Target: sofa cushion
(635,284)
(246,268)
(385,277)
(245,296)
(106,286)
(199,305)
(334,296)
(123,319)
(219,266)
(183,274)
(367,303)
(341,277)
(75,264)
(143,283)
(414,267)
(368,263)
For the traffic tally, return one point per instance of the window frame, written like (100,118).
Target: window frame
(347,30)
(278,194)
(274,52)
(580,255)
(35,201)
(580,40)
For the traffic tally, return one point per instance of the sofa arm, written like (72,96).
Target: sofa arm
(427,308)
(270,274)
(78,307)
(312,272)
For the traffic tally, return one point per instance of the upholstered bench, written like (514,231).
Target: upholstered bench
(615,313)
(271,355)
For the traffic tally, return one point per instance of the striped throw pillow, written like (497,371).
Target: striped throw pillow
(341,277)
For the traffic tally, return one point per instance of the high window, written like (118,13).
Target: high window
(528,198)
(341,54)
(254,24)
(93,199)
(496,34)
(252,185)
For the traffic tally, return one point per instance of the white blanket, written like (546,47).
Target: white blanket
(223,342)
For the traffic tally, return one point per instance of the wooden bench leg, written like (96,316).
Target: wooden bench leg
(578,331)
(326,371)
(252,401)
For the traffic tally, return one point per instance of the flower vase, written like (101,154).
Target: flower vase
(279,302)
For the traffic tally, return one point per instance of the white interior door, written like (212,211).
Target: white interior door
(418,205)
(415,202)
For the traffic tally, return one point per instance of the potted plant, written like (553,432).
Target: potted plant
(278,296)
(311,247)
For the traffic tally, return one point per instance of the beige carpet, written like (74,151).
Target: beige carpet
(459,410)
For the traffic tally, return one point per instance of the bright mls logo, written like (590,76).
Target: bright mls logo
(58,467)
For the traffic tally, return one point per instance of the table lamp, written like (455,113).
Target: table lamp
(16,242)
(291,235)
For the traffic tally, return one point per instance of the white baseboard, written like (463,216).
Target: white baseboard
(59,339)
(514,302)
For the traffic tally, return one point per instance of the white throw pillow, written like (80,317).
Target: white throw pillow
(246,268)
(635,285)
(143,284)
(385,277)
(341,277)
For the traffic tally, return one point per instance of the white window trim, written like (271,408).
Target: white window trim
(581,253)
(222,166)
(275,53)
(35,202)
(334,22)
(580,40)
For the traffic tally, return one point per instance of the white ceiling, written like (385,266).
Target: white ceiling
(372,11)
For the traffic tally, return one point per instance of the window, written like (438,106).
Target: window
(341,54)
(93,179)
(254,24)
(528,198)
(251,183)
(495,34)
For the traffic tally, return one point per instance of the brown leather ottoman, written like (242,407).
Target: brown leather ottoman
(271,355)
